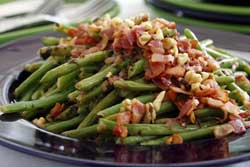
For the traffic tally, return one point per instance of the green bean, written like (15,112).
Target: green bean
(86,97)
(33,67)
(228,63)
(64,81)
(137,68)
(72,66)
(91,82)
(62,28)
(28,94)
(59,50)
(52,90)
(216,55)
(29,115)
(135,86)
(82,133)
(244,84)
(82,109)
(38,93)
(166,107)
(107,101)
(68,113)
(134,139)
(33,79)
(206,42)
(147,129)
(190,35)
(186,136)
(50,41)
(208,112)
(65,125)
(116,108)
(72,96)
(40,104)
(224,80)
(238,94)
(244,66)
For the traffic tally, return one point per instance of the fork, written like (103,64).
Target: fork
(90,9)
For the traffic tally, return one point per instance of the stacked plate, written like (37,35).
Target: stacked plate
(227,15)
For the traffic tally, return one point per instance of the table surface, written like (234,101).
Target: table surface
(13,158)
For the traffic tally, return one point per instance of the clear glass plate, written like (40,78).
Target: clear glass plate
(23,136)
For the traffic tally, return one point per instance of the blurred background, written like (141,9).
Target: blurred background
(20,18)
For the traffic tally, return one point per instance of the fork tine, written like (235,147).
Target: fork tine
(84,13)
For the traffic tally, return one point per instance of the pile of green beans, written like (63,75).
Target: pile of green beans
(91,104)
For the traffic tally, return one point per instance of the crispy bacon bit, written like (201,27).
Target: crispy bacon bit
(174,139)
(137,110)
(154,70)
(120,131)
(123,118)
(212,102)
(184,45)
(56,110)
(238,126)
(245,114)
(187,107)
(177,71)
(247,124)
(179,90)
(223,130)
(171,95)
(156,46)
(231,108)
(170,25)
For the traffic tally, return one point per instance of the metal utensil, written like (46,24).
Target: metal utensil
(90,9)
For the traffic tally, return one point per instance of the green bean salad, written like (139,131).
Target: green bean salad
(134,81)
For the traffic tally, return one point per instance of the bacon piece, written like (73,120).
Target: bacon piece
(231,108)
(156,46)
(160,58)
(170,25)
(137,110)
(72,32)
(238,126)
(212,65)
(223,130)
(99,47)
(123,118)
(179,90)
(211,83)
(221,95)
(187,107)
(120,131)
(171,95)
(247,124)
(154,70)
(183,45)
(177,71)
(212,102)
(205,93)
(56,110)
(174,139)
(194,53)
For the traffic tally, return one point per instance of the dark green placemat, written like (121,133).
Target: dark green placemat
(197,22)
(210,7)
